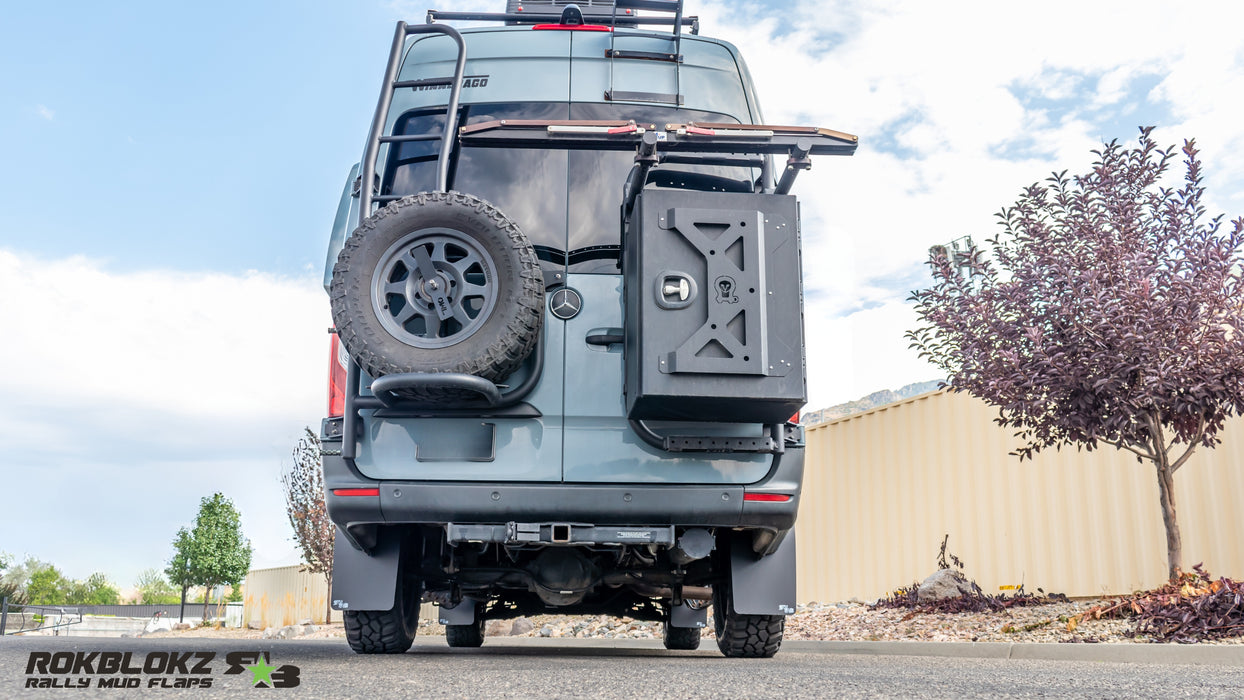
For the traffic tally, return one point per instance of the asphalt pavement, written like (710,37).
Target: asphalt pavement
(554,668)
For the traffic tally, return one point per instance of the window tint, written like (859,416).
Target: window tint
(597,178)
(531,186)
(528,185)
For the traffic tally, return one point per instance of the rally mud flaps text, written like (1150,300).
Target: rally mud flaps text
(156,669)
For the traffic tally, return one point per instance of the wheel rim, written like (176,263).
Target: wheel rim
(419,272)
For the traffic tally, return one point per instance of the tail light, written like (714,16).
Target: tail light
(767,497)
(356,492)
(338,360)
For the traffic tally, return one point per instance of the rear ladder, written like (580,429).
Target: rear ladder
(675,57)
(367,193)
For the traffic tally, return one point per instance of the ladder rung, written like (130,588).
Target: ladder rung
(630,96)
(658,5)
(644,55)
(411,137)
(380,198)
(423,82)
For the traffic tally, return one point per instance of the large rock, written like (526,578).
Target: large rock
(943,585)
(521,626)
(496,628)
(158,625)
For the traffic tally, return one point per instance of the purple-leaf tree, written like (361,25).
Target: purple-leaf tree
(303,483)
(1109,311)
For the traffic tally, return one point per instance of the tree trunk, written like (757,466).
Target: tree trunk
(207,592)
(182,616)
(1166,493)
(328,599)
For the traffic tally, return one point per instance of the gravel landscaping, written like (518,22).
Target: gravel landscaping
(817,621)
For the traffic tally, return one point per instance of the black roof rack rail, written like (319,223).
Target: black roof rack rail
(536,18)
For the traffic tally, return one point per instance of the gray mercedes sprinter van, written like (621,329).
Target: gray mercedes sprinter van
(568,351)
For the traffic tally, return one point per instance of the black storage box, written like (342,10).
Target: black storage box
(714,307)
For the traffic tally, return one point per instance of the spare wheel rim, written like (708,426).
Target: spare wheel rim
(427,267)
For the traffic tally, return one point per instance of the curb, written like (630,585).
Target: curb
(1168,654)
(1191,654)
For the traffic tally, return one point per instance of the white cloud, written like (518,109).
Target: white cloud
(131,395)
(934,92)
(45,112)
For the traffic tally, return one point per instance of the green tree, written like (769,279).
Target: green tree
(154,589)
(47,586)
(179,571)
(95,590)
(219,554)
(15,578)
(8,590)
(10,587)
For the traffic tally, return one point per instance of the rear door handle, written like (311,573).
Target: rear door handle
(608,337)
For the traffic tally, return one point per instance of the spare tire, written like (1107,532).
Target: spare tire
(438,282)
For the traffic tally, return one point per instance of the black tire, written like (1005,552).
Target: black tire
(466,636)
(681,638)
(744,636)
(484,268)
(385,631)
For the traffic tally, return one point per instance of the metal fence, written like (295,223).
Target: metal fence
(15,619)
(882,488)
(172,611)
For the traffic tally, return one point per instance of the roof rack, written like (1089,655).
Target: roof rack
(611,19)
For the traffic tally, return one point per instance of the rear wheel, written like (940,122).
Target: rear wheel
(386,631)
(466,636)
(744,636)
(681,638)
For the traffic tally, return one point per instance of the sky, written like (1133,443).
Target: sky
(169,173)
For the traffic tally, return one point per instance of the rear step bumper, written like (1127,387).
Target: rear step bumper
(442,502)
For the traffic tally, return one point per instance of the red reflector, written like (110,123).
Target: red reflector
(574,27)
(767,497)
(337,360)
(794,419)
(356,492)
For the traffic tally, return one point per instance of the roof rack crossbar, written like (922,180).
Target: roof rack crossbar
(440,15)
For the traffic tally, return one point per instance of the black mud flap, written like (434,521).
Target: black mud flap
(763,585)
(461,614)
(686,616)
(363,581)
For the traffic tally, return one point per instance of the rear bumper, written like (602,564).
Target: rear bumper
(439,502)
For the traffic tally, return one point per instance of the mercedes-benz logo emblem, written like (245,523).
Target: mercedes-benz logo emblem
(566,303)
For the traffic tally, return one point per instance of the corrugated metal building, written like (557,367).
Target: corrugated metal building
(285,595)
(883,487)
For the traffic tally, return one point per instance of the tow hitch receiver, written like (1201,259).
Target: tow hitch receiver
(559,533)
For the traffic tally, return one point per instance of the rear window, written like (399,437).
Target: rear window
(567,202)
(528,185)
